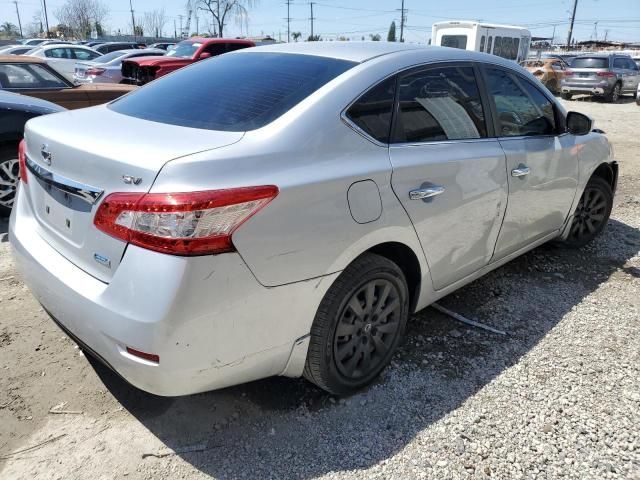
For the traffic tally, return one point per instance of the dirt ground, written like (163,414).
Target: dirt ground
(445,372)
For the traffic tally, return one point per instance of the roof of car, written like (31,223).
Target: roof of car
(220,40)
(353,51)
(20,59)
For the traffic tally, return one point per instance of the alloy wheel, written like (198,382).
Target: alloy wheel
(9,177)
(590,214)
(615,95)
(367,329)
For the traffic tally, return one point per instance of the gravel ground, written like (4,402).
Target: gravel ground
(557,397)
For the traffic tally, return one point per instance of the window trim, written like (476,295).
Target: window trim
(560,121)
(444,64)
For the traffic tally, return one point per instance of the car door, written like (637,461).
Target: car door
(448,172)
(542,161)
(632,76)
(62,60)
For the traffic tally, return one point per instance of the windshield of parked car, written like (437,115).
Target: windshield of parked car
(233,92)
(590,62)
(184,49)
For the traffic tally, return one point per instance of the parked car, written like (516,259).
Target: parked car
(15,110)
(33,41)
(604,75)
(162,45)
(94,43)
(143,70)
(34,77)
(115,46)
(549,72)
(107,68)
(218,231)
(63,58)
(638,95)
(16,50)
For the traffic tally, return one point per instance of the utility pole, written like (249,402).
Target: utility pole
(175,32)
(46,17)
(553,35)
(312,18)
(181,33)
(403,19)
(18,14)
(573,18)
(197,25)
(288,20)
(133,22)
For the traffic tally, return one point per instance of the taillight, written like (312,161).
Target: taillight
(568,73)
(192,223)
(22,161)
(606,74)
(94,71)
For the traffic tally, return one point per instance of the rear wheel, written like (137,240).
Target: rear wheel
(614,95)
(592,213)
(9,177)
(358,325)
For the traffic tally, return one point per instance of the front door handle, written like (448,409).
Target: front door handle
(521,171)
(427,192)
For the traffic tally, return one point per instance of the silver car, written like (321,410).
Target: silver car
(107,68)
(282,210)
(605,75)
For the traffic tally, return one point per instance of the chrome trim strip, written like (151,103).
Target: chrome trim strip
(87,193)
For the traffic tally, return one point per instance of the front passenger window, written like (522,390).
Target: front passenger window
(522,109)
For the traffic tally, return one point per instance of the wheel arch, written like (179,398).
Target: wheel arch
(403,256)
(608,171)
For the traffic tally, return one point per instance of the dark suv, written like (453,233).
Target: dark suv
(605,75)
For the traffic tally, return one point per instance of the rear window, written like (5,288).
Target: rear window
(590,62)
(454,41)
(232,92)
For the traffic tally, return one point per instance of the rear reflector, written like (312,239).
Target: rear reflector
(146,356)
(192,223)
(22,161)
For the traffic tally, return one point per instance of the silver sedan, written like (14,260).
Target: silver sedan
(107,68)
(282,210)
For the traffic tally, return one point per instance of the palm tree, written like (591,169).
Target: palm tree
(8,29)
(296,36)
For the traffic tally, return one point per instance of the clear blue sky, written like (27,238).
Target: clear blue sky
(619,19)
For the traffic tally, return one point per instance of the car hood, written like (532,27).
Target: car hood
(152,61)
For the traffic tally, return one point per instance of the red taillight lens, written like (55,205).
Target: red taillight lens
(606,74)
(152,357)
(193,223)
(22,161)
(94,71)
(568,73)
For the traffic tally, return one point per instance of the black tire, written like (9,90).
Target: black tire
(614,95)
(592,213)
(567,96)
(9,177)
(358,325)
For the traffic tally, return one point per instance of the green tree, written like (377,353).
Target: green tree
(296,36)
(99,29)
(314,38)
(391,36)
(8,30)
(375,37)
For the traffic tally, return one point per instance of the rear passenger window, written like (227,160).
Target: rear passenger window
(522,109)
(372,111)
(439,104)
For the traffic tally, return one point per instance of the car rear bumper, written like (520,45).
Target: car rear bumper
(211,323)
(601,88)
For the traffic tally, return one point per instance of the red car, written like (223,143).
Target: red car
(141,70)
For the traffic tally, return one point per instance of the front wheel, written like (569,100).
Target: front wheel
(9,178)
(592,213)
(358,325)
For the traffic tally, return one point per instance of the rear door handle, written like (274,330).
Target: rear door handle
(427,192)
(521,171)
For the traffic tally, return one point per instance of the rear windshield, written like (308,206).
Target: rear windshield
(590,62)
(454,41)
(232,92)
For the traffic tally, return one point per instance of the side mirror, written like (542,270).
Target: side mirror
(578,123)
(204,55)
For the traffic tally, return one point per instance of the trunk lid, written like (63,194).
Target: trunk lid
(86,160)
